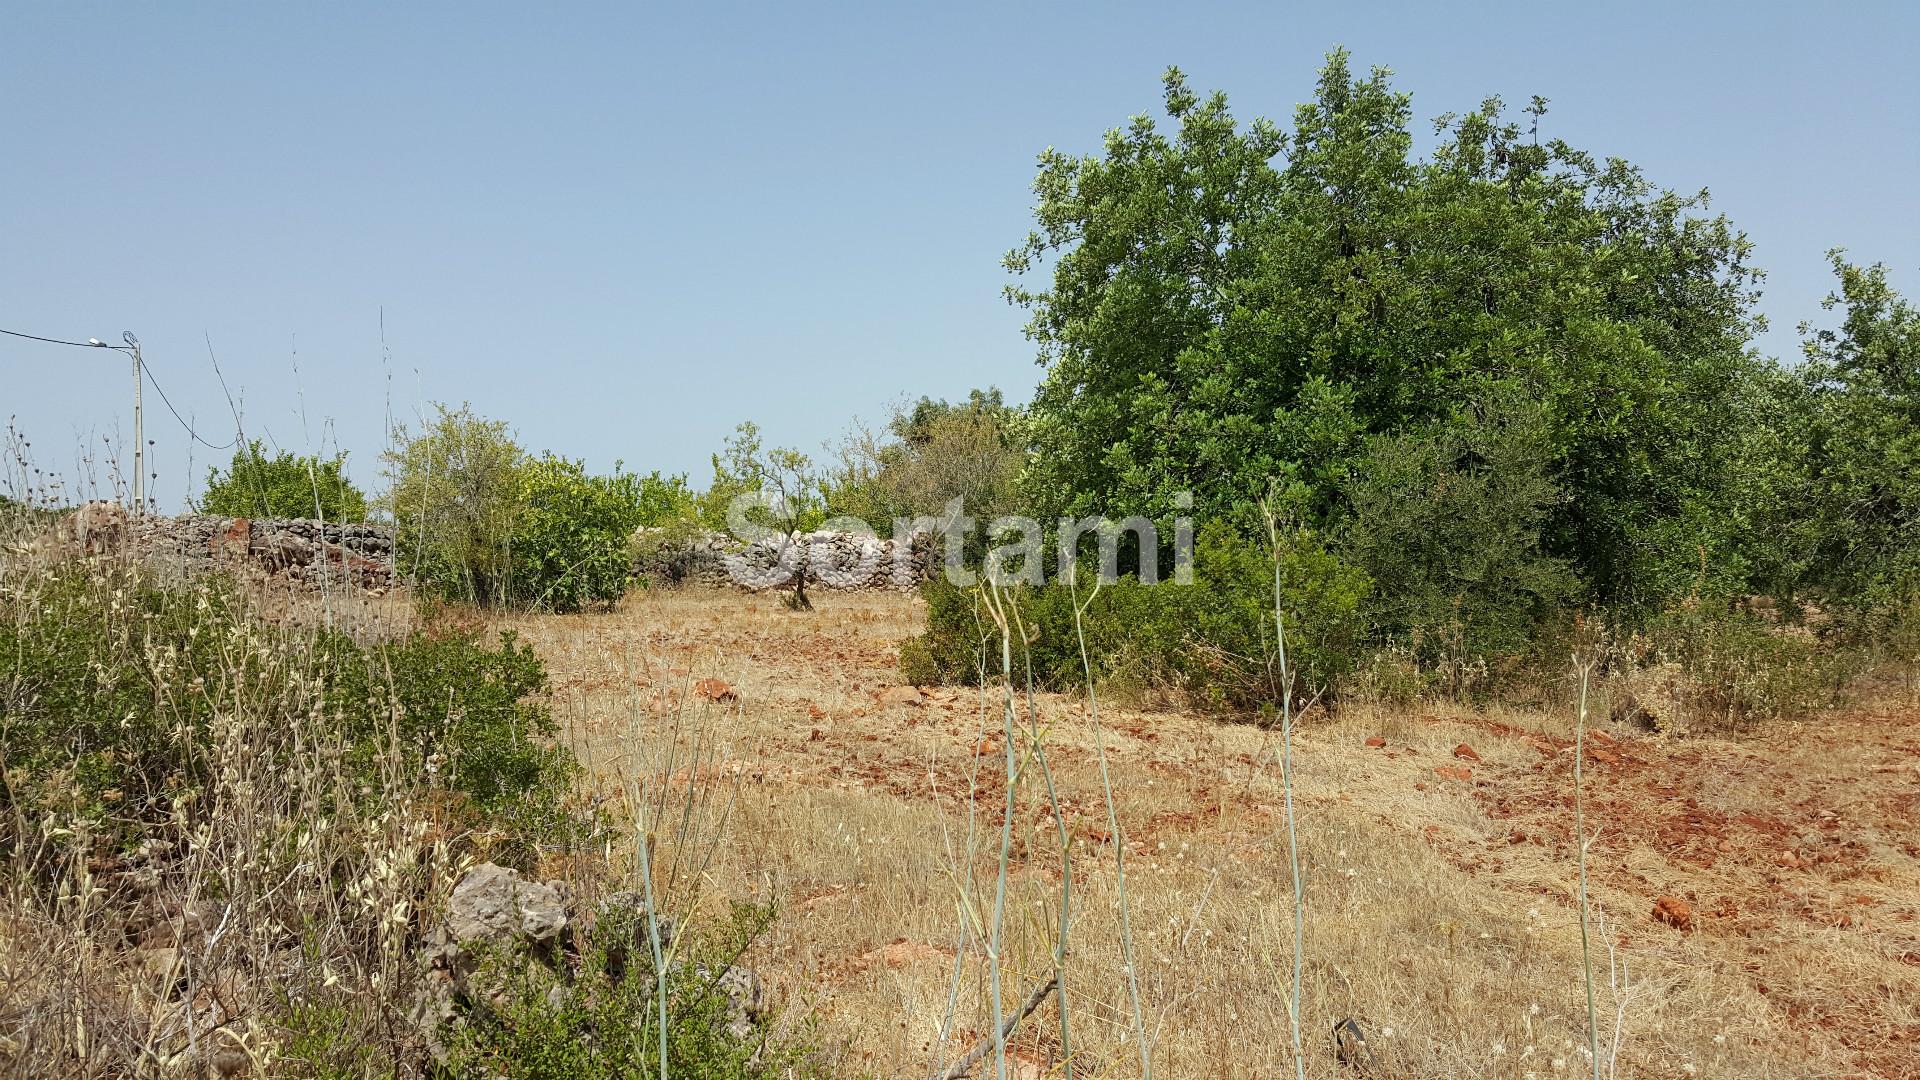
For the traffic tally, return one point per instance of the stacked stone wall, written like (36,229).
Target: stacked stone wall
(832,560)
(315,554)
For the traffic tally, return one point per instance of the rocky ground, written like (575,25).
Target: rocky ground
(1757,902)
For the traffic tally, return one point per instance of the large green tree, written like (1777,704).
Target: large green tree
(1857,503)
(1230,304)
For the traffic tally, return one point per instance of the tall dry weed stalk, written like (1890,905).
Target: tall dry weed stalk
(1063,935)
(1114,834)
(1286,787)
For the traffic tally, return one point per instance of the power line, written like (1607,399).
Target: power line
(228,445)
(195,435)
(57,341)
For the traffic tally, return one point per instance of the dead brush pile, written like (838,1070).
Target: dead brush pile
(224,841)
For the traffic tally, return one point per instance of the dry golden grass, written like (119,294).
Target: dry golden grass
(1440,911)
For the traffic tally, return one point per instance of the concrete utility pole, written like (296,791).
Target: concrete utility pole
(139,436)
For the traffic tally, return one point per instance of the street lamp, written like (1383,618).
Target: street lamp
(132,349)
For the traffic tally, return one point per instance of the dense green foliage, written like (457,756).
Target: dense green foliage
(1448,520)
(1212,641)
(1504,381)
(572,537)
(454,492)
(471,707)
(284,485)
(482,522)
(1852,505)
(1232,304)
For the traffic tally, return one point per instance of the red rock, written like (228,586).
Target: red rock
(815,712)
(715,691)
(235,540)
(1453,772)
(1466,753)
(1673,911)
(1603,756)
(1376,742)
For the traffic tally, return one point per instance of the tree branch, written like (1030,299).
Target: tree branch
(980,1049)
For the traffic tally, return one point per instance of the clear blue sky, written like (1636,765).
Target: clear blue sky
(626,228)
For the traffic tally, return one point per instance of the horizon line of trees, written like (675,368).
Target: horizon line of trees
(1499,380)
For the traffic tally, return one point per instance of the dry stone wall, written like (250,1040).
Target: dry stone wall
(315,554)
(832,560)
(320,554)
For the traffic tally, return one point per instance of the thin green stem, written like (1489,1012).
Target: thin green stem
(1066,855)
(1580,835)
(994,934)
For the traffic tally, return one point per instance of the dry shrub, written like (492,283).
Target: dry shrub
(221,835)
(1726,669)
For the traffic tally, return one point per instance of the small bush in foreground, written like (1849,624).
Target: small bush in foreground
(447,704)
(222,835)
(602,1018)
(116,686)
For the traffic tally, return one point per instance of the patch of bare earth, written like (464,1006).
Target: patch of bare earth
(1757,901)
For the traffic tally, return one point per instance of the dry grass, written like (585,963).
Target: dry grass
(1440,911)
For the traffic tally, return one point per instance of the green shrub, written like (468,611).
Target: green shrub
(454,491)
(447,704)
(571,543)
(321,1040)
(114,686)
(283,486)
(601,1019)
(1448,523)
(108,683)
(1212,640)
(479,521)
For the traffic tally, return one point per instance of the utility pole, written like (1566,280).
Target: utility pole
(139,436)
(132,349)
